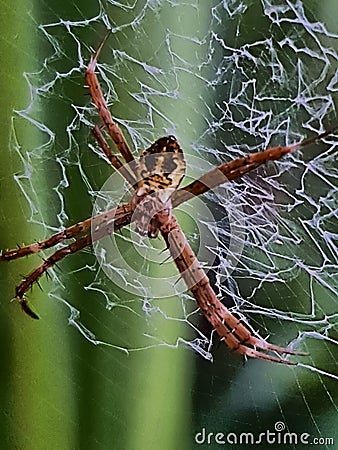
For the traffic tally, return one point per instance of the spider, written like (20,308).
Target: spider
(155,178)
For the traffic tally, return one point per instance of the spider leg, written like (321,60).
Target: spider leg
(230,329)
(34,276)
(244,335)
(96,94)
(113,159)
(120,214)
(233,342)
(104,225)
(318,137)
(26,250)
(235,169)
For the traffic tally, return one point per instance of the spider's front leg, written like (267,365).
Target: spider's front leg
(99,101)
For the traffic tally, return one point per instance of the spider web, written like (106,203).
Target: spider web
(227,78)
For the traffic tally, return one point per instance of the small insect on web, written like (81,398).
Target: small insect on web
(155,178)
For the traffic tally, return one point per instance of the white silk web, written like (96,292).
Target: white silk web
(227,78)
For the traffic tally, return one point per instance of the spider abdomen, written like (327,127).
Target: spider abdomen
(158,172)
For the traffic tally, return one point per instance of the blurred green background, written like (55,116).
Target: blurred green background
(58,389)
